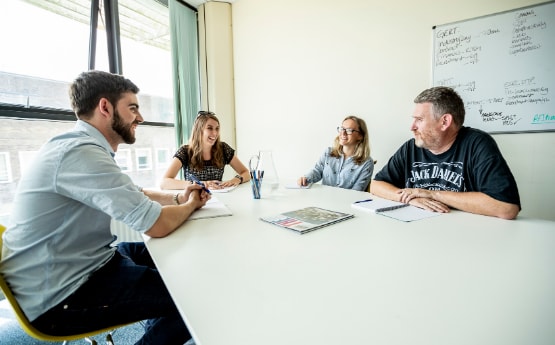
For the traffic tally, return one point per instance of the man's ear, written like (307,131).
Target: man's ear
(446,121)
(105,107)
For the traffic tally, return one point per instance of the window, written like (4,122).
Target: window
(162,158)
(38,65)
(25,160)
(144,159)
(123,159)
(38,72)
(35,73)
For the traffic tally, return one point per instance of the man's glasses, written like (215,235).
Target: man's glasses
(349,131)
(204,113)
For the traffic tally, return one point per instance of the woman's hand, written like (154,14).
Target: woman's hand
(302,181)
(213,184)
(230,183)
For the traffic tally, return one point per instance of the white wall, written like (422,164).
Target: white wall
(302,66)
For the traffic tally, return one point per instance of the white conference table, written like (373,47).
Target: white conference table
(454,279)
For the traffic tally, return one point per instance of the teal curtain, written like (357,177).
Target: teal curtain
(184,52)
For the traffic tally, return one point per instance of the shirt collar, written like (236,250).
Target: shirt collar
(95,133)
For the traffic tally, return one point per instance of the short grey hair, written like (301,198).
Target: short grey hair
(444,100)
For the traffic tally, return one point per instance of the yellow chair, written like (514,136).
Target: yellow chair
(368,188)
(35,333)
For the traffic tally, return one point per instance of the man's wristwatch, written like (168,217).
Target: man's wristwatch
(240,178)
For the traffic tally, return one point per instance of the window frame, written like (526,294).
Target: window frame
(5,156)
(15,111)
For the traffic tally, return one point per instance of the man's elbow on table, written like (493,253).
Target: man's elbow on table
(172,216)
(509,212)
(158,230)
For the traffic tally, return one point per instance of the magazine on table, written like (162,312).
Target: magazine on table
(307,219)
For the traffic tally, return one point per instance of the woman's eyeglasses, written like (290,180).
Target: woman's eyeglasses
(204,113)
(349,131)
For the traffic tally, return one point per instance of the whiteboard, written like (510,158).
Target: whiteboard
(502,65)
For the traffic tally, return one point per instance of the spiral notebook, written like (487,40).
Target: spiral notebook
(393,209)
(376,205)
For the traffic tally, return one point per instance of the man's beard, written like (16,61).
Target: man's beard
(122,129)
(427,140)
(419,142)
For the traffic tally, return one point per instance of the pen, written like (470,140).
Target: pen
(360,201)
(197,181)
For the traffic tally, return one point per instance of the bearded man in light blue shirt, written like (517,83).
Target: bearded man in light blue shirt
(59,259)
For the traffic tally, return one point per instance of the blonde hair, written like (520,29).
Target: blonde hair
(362,150)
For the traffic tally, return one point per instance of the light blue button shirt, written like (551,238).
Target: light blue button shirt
(59,231)
(341,172)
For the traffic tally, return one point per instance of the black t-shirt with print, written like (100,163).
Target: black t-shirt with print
(474,163)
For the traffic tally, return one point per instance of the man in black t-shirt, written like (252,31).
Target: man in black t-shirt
(447,165)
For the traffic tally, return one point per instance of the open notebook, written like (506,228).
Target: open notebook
(294,185)
(213,208)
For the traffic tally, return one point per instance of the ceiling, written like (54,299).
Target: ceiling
(141,20)
(197,3)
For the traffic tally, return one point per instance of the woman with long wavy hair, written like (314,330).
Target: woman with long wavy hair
(204,158)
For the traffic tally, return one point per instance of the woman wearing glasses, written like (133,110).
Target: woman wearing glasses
(204,158)
(348,163)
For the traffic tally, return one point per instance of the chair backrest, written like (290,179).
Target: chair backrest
(2,228)
(368,187)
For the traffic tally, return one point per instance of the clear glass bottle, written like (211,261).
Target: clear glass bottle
(270,182)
